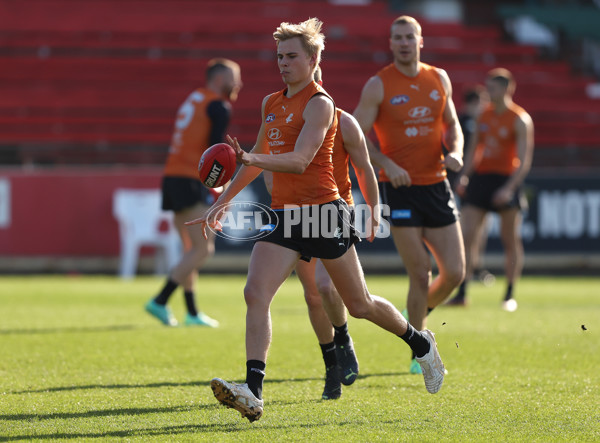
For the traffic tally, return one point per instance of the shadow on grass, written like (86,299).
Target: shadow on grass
(188,383)
(105,412)
(360,377)
(168,430)
(77,329)
(149,432)
(117,386)
(241,426)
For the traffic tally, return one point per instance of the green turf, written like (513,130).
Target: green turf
(81,360)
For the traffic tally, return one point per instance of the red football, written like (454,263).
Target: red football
(217,165)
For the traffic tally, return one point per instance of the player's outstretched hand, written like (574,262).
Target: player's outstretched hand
(241,156)
(210,218)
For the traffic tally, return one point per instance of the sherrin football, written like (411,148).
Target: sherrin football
(217,165)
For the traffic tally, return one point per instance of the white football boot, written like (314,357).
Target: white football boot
(239,397)
(431,365)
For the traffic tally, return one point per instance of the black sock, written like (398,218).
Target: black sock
(416,340)
(341,336)
(255,374)
(413,355)
(328,351)
(190,303)
(163,297)
(462,289)
(509,292)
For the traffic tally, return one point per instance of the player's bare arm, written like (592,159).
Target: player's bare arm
(453,137)
(318,117)
(355,146)
(524,135)
(366,114)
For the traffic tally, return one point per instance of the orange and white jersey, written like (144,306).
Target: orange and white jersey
(283,123)
(496,151)
(341,163)
(191,135)
(409,125)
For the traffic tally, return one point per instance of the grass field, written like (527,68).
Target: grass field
(81,360)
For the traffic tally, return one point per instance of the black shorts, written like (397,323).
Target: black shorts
(481,189)
(323,231)
(179,193)
(431,206)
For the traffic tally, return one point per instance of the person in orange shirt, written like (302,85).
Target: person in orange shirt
(295,142)
(409,104)
(497,163)
(201,122)
(326,309)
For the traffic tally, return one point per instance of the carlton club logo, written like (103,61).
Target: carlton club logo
(419,112)
(274,134)
(270,118)
(435,95)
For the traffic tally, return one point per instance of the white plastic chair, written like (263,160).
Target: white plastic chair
(140,216)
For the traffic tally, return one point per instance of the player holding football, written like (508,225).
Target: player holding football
(201,122)
(497,163)
(326,309)
(295,142)
(408,104)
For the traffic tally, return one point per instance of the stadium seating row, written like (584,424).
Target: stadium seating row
(112,73)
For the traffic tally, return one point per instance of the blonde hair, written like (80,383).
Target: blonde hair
(407,20)
(309,31)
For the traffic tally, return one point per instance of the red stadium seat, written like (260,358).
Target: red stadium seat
(114,73)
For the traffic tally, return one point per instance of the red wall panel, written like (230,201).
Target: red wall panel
(66,212)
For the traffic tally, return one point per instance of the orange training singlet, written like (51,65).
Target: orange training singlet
(496,151)
(340,160)
(409,125)
(283,123)
(191,135)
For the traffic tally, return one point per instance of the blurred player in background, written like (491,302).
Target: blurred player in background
(408,104)
(498,162)
(326,309)
(475,101)
(295,142)
(201,122)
